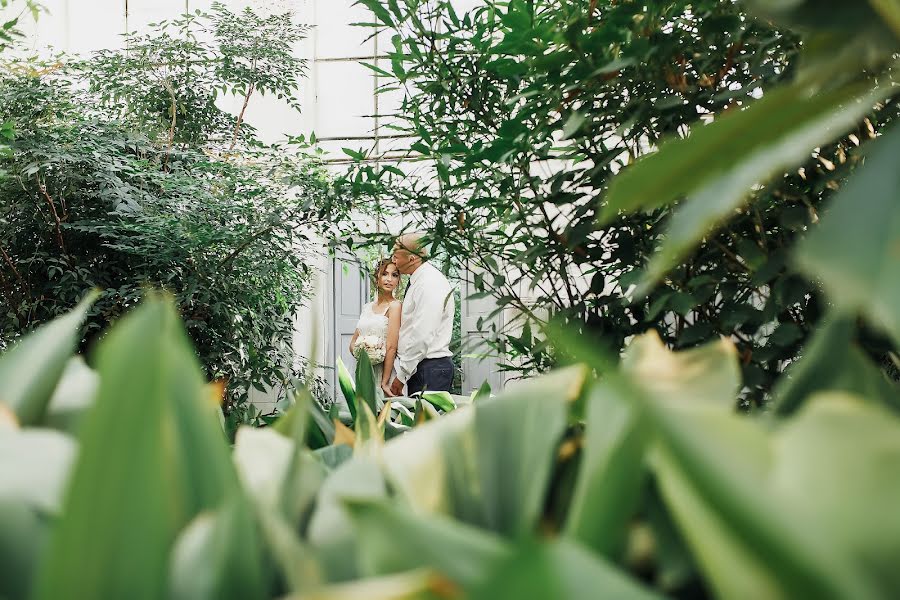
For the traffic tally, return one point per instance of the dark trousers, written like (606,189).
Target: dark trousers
(432,375)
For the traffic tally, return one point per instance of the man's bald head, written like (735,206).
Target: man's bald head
(410,251)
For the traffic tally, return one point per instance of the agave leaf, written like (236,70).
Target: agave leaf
(34,467)
(838,464)
(517,434)
(30,370)
(394,539)
(562,570)
(347,388)
(152,457)
(73,396)
(420,584)
(709,374)
(24,533)
(853,251)
(611,472)
(833,361)
(712,468)
(365,383)
(441,400)
(215,557)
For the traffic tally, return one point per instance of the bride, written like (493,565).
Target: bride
(378,328)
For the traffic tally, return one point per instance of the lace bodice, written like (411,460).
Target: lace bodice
(371,323)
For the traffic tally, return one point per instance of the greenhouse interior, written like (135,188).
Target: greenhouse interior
(446,299)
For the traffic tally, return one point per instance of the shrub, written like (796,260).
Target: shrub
(124,174)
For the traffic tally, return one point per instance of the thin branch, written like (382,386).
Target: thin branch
(240,119)
(58,223)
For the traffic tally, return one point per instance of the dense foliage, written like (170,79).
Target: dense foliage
(125,173)
(529,109)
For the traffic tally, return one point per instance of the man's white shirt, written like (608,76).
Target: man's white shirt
(426,323)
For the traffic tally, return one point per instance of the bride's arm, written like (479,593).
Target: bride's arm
(393,336)
(353,341)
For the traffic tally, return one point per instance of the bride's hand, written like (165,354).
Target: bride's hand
(386,388)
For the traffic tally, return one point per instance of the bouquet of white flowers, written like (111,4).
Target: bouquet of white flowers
(373,346)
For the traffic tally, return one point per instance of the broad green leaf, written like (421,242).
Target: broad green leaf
(442,400)
(712,468)
(262,458)
(838,464)
(152,457)
(24,533)
(30,370)
(483,392)
(433,467)
(709,374)
(832,361)
(334,456)
(394,539)
(216,557)
(890,12)
(365,383)
(562,570)
(854,250)
(517,436)
(718,164)
(611,472)
(358,478)
(346,384)
(320,426)
(73,396)
(34,467)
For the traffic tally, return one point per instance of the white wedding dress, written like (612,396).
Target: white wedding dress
(376,325)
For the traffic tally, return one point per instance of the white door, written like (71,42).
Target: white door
(351,292)
(479,361)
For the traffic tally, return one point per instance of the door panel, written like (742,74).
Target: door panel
(351,292)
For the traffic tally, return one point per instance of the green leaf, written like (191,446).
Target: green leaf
(152,457)
(728,157)
(30,371)
(708,375)
(347,389)
(34,467)
(365,383)
(832,361)
(837,466)
(517,434)
(560,569)
(611,472)
(378,10)
(216,556)
(483,392)
(24,533)
(854,250)
(572,124)
(712,468)
(73,396)
(393,538)
(441,400)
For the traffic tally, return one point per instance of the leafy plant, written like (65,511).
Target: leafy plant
(109,188)
(528,110)
(641,483)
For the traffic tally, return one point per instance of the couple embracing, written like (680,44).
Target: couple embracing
(409,343)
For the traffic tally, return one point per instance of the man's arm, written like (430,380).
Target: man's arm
(420,325)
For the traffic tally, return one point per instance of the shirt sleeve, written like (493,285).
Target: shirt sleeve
(410,347)
(421,323)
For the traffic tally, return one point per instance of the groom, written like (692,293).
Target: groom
(424,360)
